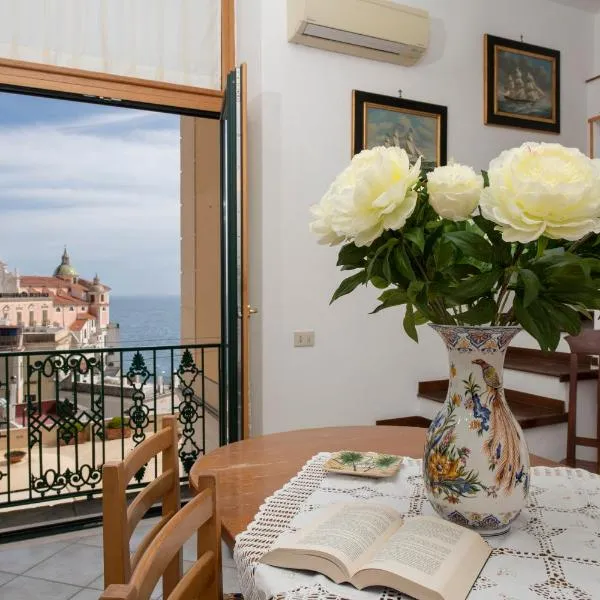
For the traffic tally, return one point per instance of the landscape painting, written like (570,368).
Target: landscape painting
(417,127)
(522,85)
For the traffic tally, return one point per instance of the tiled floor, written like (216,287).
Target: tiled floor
(69,566)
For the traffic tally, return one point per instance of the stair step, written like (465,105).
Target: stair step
(552,364)
(530,410)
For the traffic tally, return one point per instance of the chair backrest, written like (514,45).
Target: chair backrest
(586,343)
(203,580)
(120,520)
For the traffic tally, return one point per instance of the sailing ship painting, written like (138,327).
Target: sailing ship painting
(522,85)
(417,134)
(420,128)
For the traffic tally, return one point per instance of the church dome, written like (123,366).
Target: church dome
(96,286)
(65,269)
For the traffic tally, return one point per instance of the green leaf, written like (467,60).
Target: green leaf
(432,238)
(471,244)
(403,263)
(476,286)
(414,288)
(566,317)
(379,282)
(529,323)
(486,179)
(352,256)
(417,237)
(389,298)
(444,255)
(349,285)
(531,286)
(481,313)
(387,267)
(409,323)
(383,248)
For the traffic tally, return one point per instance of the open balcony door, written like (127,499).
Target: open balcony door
(235,401)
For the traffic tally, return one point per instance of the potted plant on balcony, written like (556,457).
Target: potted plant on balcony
(15,456)
(117,428)
(69,432)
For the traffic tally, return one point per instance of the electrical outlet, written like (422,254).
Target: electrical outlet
(303,339)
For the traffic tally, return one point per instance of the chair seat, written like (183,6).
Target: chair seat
(233,597)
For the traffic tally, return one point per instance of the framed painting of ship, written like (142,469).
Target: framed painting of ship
(522,85)
(418,127)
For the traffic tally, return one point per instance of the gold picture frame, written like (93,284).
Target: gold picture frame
(521,85)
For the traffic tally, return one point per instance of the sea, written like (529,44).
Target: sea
(148,321)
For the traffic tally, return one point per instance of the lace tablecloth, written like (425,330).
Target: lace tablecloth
(552,551)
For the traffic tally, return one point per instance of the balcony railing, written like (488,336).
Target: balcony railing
(63,414)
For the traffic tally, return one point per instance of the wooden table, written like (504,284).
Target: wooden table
(251,470)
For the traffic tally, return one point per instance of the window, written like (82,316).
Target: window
(45,316)
(104,309)
(57,309)
(92,298)
(101,297)
(31,319)
(71,308)
(19,317)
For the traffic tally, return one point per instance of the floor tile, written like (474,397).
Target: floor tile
(231,581)
(77,564)
(97,584)
(27,588)
(18,558)
(86,594)
(5,577)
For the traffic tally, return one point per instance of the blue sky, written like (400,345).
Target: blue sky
(103,180)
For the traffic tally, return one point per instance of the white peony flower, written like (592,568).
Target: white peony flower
(543,189)
(454,191)
(374,193)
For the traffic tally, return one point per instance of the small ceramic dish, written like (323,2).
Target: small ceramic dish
(363,464)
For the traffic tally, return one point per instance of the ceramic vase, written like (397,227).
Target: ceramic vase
(476,462)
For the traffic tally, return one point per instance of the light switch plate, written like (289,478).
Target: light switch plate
(304,339)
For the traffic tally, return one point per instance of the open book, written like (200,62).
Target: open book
(371,545)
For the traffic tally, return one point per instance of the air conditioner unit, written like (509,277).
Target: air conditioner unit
(375,29)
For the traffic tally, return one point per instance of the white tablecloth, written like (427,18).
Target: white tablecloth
(552,551)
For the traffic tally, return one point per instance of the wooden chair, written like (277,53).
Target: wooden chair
(586,343)
(120,520)
(203,580)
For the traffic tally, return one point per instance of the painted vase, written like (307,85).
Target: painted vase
(476,462)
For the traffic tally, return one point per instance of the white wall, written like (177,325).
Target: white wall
(362,367)
(593,88)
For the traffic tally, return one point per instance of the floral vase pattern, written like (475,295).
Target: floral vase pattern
(476,462)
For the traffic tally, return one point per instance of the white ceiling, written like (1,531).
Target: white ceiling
(589,5)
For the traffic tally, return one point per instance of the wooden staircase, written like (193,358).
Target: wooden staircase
(532,411)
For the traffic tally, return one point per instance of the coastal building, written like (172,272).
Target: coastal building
(63,309)
(48,313)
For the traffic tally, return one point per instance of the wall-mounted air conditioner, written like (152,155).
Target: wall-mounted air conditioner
(375,29)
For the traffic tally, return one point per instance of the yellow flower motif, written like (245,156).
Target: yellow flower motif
(437,466)
(456,399)
(452,370)
(441,468)
(474,424)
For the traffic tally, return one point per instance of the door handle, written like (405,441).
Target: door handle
(252,311)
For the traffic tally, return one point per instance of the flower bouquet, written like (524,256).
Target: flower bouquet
(479,256)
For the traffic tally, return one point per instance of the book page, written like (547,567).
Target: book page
(428,550)
(349,531)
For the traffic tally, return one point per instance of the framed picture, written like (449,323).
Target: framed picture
(418,127)
(522,85)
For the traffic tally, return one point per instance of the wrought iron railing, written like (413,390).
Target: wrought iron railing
(64,413)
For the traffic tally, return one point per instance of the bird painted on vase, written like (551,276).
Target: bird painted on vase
(503,444)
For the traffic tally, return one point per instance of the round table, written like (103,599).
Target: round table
(251,470)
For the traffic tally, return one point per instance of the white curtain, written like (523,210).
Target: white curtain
(176,41)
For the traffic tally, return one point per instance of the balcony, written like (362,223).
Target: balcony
(68,412)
